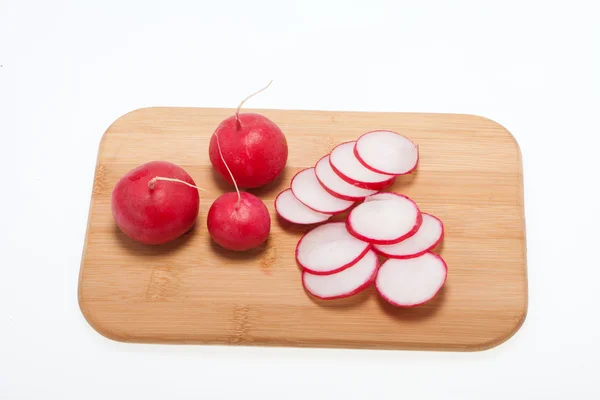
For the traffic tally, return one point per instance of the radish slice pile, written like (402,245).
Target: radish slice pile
(428,236)
(339,259)
(346,283)
(329,248)
(387,152)
(385,218)
(411,282)
(292,210)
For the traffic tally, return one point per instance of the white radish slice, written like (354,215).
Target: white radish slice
(411,282)
(291,209)
(329,248)
(335,185)
(346,283)
(387,152)
(308,190)
(349,168)
(428,236)
(384,218)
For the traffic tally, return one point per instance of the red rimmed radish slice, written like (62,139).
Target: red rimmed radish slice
(428,236)
(308,190)
(384,218)
(349,168)
(329,248)
(411,282)
(387,152)
(346,283)
(335,185)
(291,209)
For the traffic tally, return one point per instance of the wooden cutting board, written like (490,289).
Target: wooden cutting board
(192,291)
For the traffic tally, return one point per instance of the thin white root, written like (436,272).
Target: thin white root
(237,112)
(237,190)
(152,182)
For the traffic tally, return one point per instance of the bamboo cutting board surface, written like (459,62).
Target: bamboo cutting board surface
(192,291)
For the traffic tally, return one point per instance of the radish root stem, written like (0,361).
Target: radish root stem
(237,112)
(152,182)
(237,190)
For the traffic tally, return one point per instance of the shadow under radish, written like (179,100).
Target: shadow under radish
(133,246)
(417,313)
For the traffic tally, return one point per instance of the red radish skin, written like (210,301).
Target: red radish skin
(335,185)
(308,190)
(291,209)
(154,211)
(346,283)
(418,244)
(344,162)
(374,219)
(424,276)
(253,146)
(387,152)
(238,224)
(328,249)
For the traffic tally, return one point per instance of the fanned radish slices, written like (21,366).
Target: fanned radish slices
(329,248)
(387,152)
(308,190)
(349,168)
(335,185)
(428,236)
(291,209)
(384,218)
(411,282)
(346,283)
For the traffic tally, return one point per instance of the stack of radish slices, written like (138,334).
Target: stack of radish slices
(340,259)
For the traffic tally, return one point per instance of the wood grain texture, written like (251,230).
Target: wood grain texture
(192,291)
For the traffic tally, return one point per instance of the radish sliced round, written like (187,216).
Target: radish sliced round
(428,236)
(335,185)
(411,282)
(344,162)
(346,283)
(308,190)
(387,152)
(291,209)
(384,218)
(329,248)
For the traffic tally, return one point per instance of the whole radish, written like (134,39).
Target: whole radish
(155,202)
(253,146)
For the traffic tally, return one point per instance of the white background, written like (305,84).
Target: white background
(70,68)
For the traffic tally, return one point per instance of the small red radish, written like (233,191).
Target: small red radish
(253,146)
(428,236)
(335,185)
(346,165)
(291,209)
(387,152)
(155,203)
(308,190)
(411,282)
(238,221)
(342,284)
(329,248)
(384,218)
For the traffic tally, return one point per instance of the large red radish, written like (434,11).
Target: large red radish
(428,236)
(384,218)
(411,282)
(387,152)
(342,284)
(238,221)
(291,209)
(346,165)
(308,190)
(254,148)
(335,185)
(329,248)
(155,203)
